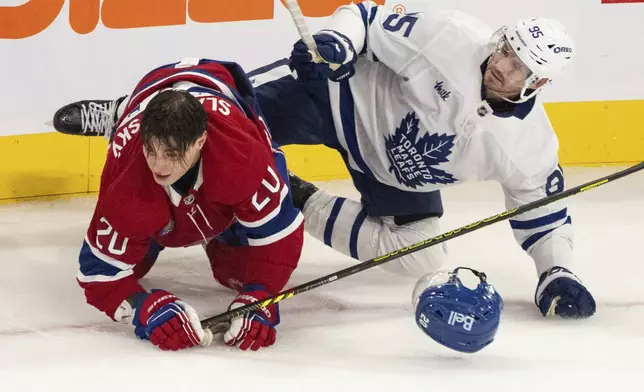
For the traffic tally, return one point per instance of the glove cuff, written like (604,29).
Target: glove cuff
(145,304)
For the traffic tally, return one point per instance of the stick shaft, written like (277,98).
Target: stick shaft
(303,29)
(213,321)
(300,23)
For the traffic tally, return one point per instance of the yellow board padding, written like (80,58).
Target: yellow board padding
(50,164)
(97,153)
(597,133)
(43,164)
(314,163)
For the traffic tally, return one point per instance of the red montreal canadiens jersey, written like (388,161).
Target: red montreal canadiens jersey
(240,181)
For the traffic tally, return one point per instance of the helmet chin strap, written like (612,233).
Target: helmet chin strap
(481,275)
(531,79)
(522,94)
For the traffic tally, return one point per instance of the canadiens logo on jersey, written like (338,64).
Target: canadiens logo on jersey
(413,159)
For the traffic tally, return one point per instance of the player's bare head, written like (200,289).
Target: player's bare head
(173,131)
(174,119)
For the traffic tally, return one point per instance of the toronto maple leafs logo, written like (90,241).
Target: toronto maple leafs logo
(412,158)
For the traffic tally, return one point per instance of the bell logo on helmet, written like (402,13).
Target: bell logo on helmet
(455,318)
(446,310)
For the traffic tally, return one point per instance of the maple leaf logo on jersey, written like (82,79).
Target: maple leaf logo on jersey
(412,158)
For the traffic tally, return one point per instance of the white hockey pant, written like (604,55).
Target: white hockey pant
(344,225)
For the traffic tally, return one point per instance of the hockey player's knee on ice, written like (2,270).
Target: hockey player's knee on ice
(393,237)
(236,266)
(227,263)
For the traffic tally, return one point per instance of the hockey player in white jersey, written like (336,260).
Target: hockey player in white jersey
(426,100)
(420,101)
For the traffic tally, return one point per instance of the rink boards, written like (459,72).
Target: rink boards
(109,45)
(590,133)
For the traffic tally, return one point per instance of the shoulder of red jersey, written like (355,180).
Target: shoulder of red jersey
(238,150)
(201,72)
(234,161)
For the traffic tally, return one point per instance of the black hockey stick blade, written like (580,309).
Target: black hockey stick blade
(213,321)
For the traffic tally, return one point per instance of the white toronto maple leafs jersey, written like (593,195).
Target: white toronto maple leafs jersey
(415,119)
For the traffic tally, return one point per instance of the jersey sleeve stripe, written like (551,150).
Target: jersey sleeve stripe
(279,235)
(287,215)
(373,10)
(269,216)
(365,16)
(102,278)
(347,113)
(103,257)
(96,269)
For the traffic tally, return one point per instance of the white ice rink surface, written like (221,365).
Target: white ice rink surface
(356,334)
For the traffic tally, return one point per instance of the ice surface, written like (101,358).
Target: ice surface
(356,334)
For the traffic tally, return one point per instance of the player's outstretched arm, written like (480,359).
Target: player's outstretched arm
(365,29)
(110,265)
(272,232)
(546,234)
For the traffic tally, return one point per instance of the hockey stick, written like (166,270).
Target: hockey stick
(297,16)
(302,27)
(215,320)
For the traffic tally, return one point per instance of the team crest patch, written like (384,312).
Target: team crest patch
(412,157)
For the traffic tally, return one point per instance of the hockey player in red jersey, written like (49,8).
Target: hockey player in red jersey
(192,162)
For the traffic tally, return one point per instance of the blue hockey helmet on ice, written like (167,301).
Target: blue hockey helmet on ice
(455,315)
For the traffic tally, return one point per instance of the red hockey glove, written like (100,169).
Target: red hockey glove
(168,322)
(255,329)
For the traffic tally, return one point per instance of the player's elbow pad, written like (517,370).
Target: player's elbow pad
(350,21)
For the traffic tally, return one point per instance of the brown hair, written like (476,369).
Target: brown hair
(174,119)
